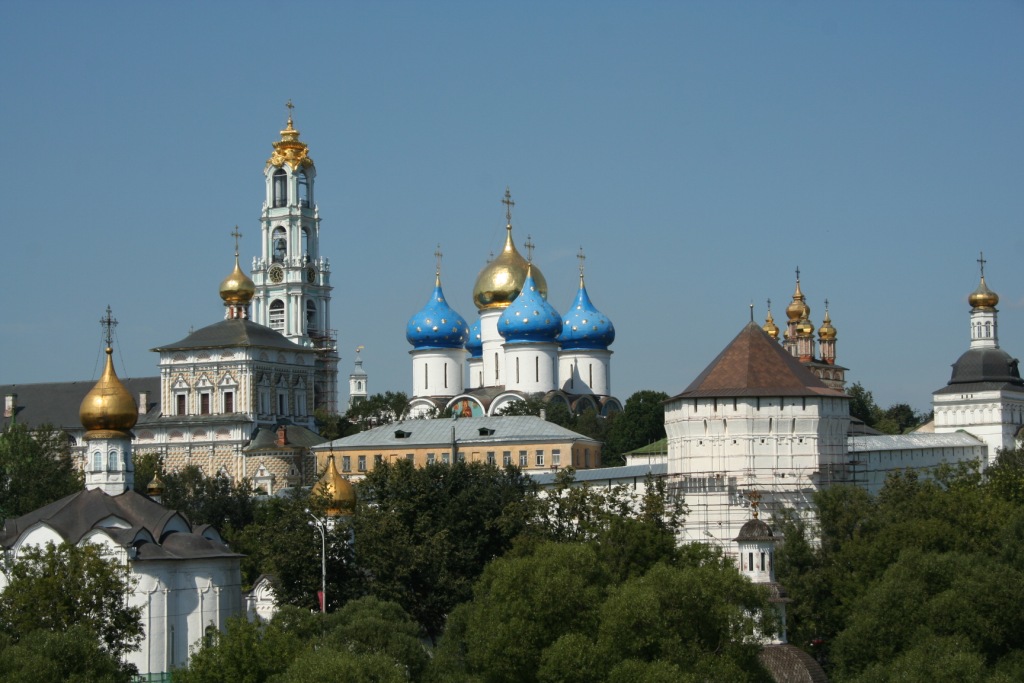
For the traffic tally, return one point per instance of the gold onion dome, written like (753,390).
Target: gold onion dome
(798,308)
(289,149)
(983,297)
(826,332)
(156,486)
(804,328)
(770,327)
(108,406)
(501,280)
(338,489)
(237,288)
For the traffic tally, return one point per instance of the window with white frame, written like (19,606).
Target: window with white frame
(540,457)
(523,458)
(556,457)
(277,315)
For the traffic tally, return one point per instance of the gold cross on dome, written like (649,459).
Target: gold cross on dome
(981,262)
(798,273)
(109,323)
(236,234)
(529,248)
(507,201)
(755,500)
(581,257)
(438,255)
(769,305)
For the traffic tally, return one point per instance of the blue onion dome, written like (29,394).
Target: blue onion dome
(437,325)
(584,326)
(475,344)
(530,318)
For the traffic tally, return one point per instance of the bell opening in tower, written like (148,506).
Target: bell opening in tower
(280,188)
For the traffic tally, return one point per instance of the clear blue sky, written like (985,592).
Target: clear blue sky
(698,151)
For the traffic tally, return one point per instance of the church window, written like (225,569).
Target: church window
(770,425)
(496,367)
(715,406)
(204,403)
(540,458)
(311,326)
(300,404)
(762,561)
(750,561)
(97,462)
(988,329)
(734,404)
(536,369)
(362,463)
(277,315)
(445,375)
(426,376)
(282,403)
(803,405)
(346,463)
(280,245)
(229,401)
(112,459)
(517,370)
(280,188)
(523,461)
(303,189)
(305,244)
(590,375)
(179,404)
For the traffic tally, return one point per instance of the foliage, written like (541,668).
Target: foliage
(423,535)
(896,419)
(944,553)
(377,410)
(332,425)
(73,656)
(560,613)
(57,587)
(24,454)
(366,640)
(215,500)
(641,422)
(531,405)
(283,541)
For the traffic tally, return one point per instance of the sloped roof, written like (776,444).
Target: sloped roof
(296,436)
(76,515)
(232,333)
(754,364)
(610,475)
(985,369)
(57,403)
(438,432)
(789,664)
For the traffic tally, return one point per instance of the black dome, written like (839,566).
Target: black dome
(755,530)
(985,365)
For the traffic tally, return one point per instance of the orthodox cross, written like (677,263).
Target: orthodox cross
(755,500)
(769,305)
(236,234)
(507,201)
(798,273)
(109,323)
(581,257)
(290,106)
(826,306)
(981,262)
(437,255)
(529,248)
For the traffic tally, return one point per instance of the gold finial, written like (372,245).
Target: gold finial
(981,263)
(438,255)
(360,348)
(236,234)
(755,500)
(289,106)
(507,201)
(289,149)
(798,274)
(581,257)
(529,249)
(109,323)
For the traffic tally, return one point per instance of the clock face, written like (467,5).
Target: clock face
(310,274)
(276,274)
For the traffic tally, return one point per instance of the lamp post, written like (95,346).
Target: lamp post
(321,526)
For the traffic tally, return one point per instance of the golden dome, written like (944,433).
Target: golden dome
(108,407)
(983,297)
(156,486)
(289,150)
(804,328)
(826,332)
(237,288)
(798,308)
(770,327)
(338,489)
(501,280)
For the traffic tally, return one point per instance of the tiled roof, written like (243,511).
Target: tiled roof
(754,364)
(230,333)
(611,475)
(476,430)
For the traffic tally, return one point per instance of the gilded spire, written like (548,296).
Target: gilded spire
(826,332)
(581,257)
(237,290)
(289,149)
(798,309)
(501,280)
(437,272)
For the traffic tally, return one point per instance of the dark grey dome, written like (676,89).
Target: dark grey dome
(986,365)
(755,530)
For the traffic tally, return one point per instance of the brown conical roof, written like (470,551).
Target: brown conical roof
(754,364)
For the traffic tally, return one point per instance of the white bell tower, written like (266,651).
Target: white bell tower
(293,281)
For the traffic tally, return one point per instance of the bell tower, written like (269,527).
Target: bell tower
(293,281)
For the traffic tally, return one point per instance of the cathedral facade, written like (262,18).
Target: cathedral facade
(518,346)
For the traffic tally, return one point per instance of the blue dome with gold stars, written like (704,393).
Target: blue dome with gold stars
(437,325)
(475,344)
(530,318)
(584,326)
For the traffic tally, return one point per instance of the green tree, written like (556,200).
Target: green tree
(862,404)
(531,405)
(378,409)
(332,425)
(71,656)
(247,651)
(56,587)
(641,422)
(423,535)
(215,500)
(24,455)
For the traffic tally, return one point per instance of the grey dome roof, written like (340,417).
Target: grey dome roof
(984,368)
(755,530)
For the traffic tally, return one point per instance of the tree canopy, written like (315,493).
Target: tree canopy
(24,456)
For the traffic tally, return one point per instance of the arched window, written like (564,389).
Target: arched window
(305,244)
(112,464)
(277,315)
(279,244)
(311,327)
(97,461)
(280,188)
(303,189)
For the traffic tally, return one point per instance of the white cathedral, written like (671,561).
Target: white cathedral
(518,346)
